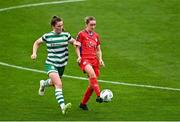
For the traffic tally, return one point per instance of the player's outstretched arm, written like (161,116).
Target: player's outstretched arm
(78,54)
(36,45)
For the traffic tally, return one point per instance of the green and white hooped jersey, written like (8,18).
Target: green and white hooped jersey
(57,48)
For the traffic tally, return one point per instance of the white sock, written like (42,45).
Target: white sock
(47,82)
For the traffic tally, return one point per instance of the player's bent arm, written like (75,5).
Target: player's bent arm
(74,42)
(99,55)
(36,45)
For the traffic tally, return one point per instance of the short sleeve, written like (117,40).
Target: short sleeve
(69,36)
(79,37)
(44,38)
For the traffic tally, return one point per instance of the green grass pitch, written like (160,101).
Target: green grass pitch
(140,44)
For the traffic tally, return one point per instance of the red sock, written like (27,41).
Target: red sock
(87,95)
(95,85)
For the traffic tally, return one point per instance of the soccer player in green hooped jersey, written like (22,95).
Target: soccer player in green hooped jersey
(57,49)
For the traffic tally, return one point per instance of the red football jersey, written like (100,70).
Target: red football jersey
(89,42)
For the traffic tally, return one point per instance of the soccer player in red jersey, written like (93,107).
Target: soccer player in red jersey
(90,59)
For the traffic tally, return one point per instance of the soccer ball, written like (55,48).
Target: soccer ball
(106,95)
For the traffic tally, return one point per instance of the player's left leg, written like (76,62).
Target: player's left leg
(93,81)
(68,105)
(58,92)
(95,66)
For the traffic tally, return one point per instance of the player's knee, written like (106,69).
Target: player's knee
(58,84)
(92,75)
(90,87)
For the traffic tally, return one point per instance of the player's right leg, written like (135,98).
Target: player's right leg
(42,85)
(58,92)
(87,95)
(46,83)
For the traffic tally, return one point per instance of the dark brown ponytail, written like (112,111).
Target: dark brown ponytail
(54,20)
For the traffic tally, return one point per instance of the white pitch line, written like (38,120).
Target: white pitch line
(82,78)
(38,4)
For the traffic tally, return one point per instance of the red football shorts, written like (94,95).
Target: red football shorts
(93,62)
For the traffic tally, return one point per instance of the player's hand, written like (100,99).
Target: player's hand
(33,56)
(76,43)
(79,60)
(101,62)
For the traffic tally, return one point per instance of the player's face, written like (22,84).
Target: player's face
(91,25)
(58,27)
